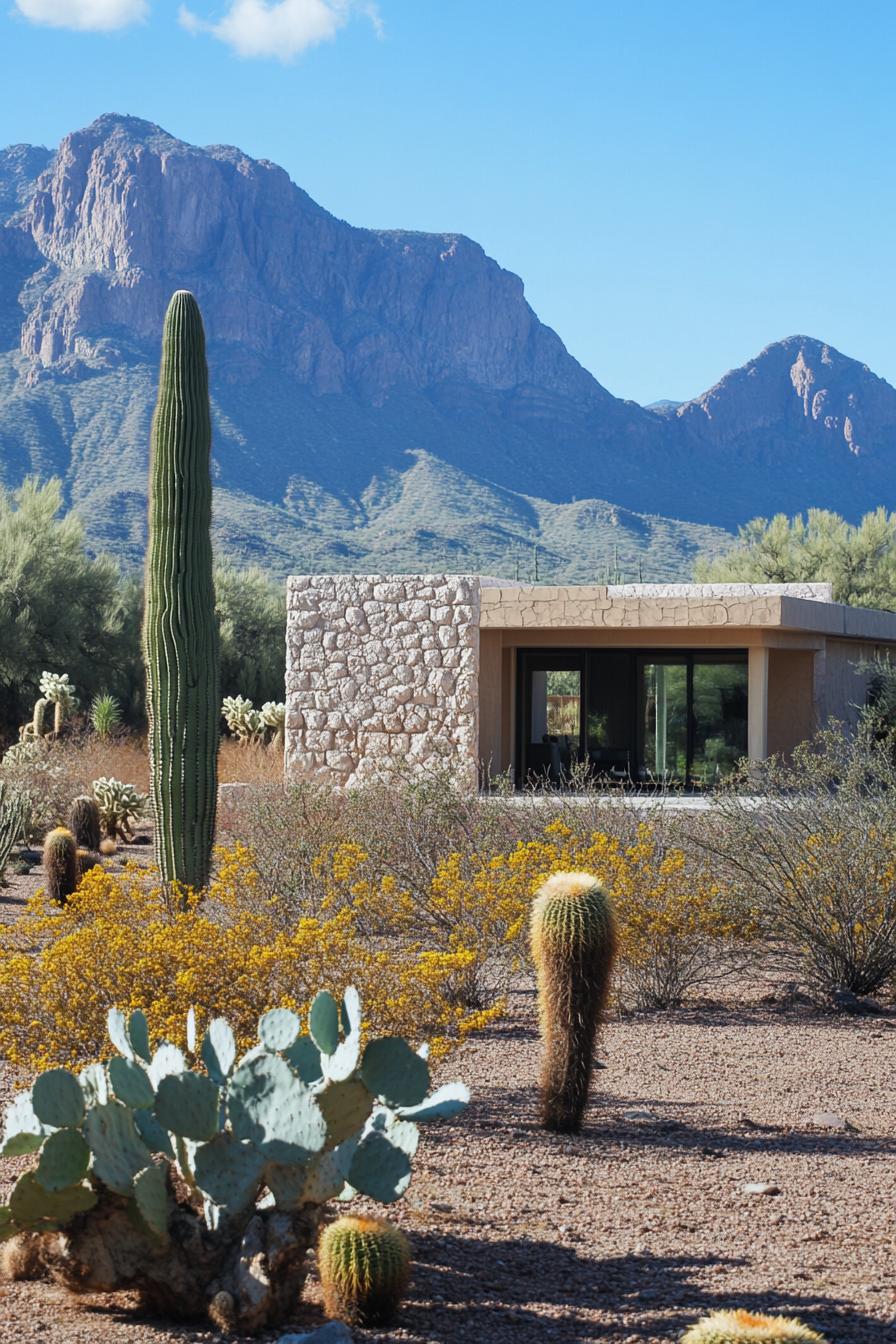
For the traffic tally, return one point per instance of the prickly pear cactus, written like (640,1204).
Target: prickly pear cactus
(198,1180)
(745,1327)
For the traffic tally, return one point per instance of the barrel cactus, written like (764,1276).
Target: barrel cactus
(745,1327)
(197,1179)
(84,822)
(573,937)
(62,872)
(364,1266)
(180,627)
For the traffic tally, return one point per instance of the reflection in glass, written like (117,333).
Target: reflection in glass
(720,718)
(556,704)
(664,719)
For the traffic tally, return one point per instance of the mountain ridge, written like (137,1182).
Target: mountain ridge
(338,353)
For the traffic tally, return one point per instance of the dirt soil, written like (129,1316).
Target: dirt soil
(641,1224)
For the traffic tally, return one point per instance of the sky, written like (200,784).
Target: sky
(677,184)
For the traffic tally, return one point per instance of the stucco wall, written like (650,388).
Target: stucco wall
(839,686)
(381,670)
(791,702)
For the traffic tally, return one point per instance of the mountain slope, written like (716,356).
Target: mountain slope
(354,366)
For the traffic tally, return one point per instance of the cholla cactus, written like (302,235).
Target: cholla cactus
(745,1327)
(262,1142)
(120,806)
(56,688)
(364,1266)
(242,719)
(273,716)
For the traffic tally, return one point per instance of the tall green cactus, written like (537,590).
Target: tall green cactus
(573,936)
(180,630)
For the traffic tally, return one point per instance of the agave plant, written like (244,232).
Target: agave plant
(198,1180)
(105,714)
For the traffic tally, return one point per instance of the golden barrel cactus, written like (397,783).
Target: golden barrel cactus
(746,1327)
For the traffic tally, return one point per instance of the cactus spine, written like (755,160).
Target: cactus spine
(744,1327)
(61,868)
(364,1266)
(180,630)
(573,937)
(84,822)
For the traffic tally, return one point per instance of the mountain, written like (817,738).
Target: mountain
(379,396)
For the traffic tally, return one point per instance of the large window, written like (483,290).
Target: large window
(664,717)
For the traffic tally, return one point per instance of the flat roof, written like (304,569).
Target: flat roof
(801,607)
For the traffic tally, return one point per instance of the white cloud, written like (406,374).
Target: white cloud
(86,15)
(279,28)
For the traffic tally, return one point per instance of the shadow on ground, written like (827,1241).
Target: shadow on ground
(537,1290)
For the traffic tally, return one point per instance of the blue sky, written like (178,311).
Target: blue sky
(677,184)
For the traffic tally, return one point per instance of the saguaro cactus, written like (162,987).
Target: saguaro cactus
(574,946)
(180,630)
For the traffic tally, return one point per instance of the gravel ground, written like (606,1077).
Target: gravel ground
(639,1225)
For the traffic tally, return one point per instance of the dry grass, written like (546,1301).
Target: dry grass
(248,764)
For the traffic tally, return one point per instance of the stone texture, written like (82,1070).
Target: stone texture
(380,687)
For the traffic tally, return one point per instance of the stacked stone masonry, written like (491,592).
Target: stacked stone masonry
(381,671)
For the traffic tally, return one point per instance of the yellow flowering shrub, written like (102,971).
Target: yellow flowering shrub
(120,942)
(431,961)
(678,926)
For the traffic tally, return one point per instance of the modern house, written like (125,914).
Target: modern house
(640,682)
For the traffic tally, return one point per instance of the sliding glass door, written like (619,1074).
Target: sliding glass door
(663,718)
(628,715)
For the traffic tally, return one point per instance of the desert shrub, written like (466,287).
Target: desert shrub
(52,774)
(811,842)
(123,940)
(58,606)
(678,927)
(406,824)
(252,616)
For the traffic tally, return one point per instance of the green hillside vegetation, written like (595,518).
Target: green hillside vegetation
(858,559)
(416,512)
(64,610)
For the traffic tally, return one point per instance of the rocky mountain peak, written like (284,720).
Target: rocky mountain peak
(801,384)
(124,213)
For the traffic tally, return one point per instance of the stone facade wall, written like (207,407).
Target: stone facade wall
(381,670)
(530,606)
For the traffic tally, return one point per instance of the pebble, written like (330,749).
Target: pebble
(334,1332)
(829,1120)
(760,1188)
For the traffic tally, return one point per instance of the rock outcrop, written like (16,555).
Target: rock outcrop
(340,355)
